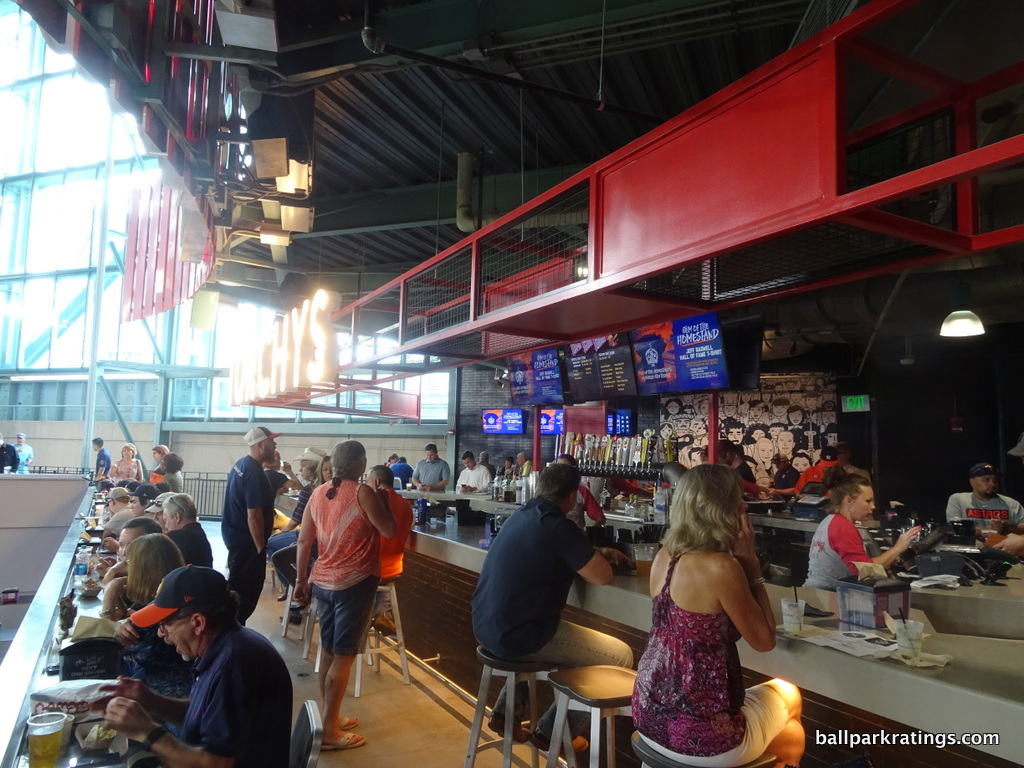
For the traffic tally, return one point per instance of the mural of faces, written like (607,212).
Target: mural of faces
(794,416)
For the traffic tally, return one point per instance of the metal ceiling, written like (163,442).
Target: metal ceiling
(387,132)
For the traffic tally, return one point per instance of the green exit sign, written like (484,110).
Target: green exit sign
(856,403)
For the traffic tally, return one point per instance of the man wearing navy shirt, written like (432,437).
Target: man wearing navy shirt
(102,457)
(248,519)
(238,714)
(524,584)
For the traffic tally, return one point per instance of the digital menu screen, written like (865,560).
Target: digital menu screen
(601,368)
(535,378)
(552,421)
(620,422)
(502,421)
(679,356)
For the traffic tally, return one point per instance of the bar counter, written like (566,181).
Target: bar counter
(980,691)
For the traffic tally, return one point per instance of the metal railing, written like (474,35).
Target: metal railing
(41,469)
(207,489)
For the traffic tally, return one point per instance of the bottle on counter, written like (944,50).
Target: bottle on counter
(82,564)
(660,506)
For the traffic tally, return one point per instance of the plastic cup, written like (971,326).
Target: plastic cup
(44,734)
(643,556)
(792,614)
(69,728)
(908,638)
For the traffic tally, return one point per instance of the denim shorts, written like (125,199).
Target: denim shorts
(345,616)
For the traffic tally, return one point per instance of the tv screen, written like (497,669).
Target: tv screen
(601,368)
(502,421)
(680,356)
(535,378)
(552,421)
(620,422)
(742,340)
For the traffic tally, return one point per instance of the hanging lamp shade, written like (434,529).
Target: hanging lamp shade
(961,321)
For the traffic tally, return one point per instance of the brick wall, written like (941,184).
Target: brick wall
(479,390)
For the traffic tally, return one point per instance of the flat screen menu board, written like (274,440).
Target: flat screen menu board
(502,421)
(620,422)
(601,368)
(679,356)
(535,377)
(552,421)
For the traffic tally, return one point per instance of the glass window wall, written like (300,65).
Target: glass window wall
(58,131)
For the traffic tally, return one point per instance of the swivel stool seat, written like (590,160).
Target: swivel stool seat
(652,759)
(605,692)
(514,672)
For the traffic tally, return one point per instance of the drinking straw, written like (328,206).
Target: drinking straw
(795,598)
(902,617)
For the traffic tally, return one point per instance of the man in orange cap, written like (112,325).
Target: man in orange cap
(238,714)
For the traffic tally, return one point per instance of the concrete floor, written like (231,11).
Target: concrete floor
(424,724)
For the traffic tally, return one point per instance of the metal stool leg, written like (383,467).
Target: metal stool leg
(559,732)
(287,611)
(311,621)
(478,717)
(609,736)
(399,635)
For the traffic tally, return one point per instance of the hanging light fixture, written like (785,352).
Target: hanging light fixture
(961,321)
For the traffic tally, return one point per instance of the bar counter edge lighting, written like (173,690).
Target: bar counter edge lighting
(980,691)
(26,658)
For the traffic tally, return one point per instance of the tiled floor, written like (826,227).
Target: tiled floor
(425,724)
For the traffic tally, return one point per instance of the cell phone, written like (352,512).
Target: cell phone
(111,758)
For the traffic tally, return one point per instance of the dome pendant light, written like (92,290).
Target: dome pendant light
(961,321)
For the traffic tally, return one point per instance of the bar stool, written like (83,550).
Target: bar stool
(604,691)
(383,644)
(308,614)
(312,617)
(652,759)
(514,672)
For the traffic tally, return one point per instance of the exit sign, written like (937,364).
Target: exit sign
(856,403)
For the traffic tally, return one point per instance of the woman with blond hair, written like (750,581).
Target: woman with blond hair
(145,656)
(127,467)
(689,702)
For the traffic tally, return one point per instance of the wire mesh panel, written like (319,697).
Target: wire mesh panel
(683,283)
(438,298)
(1001,198)
(542,253)
(818,253)
(906,148)
(481,345)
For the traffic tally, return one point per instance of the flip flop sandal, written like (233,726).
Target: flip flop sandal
(348,723)
(348,741)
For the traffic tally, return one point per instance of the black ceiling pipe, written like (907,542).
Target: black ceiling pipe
(378,46)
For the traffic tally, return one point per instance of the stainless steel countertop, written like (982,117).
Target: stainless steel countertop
(25,661)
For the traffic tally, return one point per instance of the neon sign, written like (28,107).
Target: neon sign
(302,351)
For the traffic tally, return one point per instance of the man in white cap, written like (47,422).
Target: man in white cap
(248,519)
(24,453)
(309,472)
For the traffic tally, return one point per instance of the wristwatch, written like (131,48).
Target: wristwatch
(153,736)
